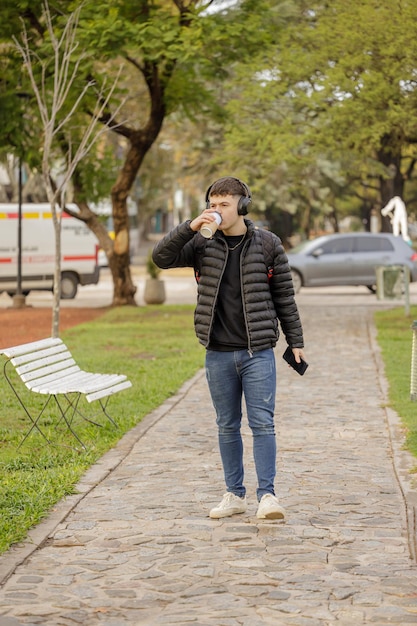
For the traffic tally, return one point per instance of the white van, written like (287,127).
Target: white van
(79,251)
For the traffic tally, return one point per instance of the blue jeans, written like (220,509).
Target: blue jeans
(229,376)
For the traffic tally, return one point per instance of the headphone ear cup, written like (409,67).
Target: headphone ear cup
(243,204)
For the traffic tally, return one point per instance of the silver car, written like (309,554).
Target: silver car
(348,259)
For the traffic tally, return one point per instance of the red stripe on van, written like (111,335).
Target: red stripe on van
(79,257)
(5,260)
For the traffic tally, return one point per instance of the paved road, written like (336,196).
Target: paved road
(136,548)
(181,289)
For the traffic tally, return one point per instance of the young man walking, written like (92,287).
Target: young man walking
(244,290)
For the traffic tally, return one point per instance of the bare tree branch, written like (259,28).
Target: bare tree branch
(56,121)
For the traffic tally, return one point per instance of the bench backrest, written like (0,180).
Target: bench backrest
(47,367)
(41,361)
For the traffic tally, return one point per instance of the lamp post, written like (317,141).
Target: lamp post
(19,300)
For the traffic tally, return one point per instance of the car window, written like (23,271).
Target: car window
(373,244)
(338,245)
(386,244)
(307,245)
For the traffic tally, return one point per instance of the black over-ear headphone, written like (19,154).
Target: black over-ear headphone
(244,201)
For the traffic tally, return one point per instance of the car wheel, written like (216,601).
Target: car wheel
(371,288)
(69,286)
(296,280)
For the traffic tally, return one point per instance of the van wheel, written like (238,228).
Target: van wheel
(69,286)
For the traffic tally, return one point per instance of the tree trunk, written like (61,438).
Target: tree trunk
(333,219)
(140,142)
(117,251)
(390,156)
(56,306)
(93,222)
(124,289)
(306,221)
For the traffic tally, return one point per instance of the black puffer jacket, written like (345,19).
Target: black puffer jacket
(264,301)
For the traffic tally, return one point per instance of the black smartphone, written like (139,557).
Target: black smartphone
(290,358)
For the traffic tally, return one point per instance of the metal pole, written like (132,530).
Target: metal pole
(413,382)
(19,300)
(19,233)
(406,276)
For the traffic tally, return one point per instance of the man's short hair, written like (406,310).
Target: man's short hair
(228,186)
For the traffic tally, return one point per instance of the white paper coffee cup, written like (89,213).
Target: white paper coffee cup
(208,230)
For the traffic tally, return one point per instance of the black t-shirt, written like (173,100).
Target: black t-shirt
(229,329)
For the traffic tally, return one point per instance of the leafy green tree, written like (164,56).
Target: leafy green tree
(174,55)
(337,85)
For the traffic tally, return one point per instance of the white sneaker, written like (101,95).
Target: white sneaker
(270,508)
(230,505)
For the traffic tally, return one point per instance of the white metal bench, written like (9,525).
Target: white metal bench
(47,367)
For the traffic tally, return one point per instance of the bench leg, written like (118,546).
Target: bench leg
(71,406)
(103,406)
(34,420)
(35,423)
(68,413)
(73,403)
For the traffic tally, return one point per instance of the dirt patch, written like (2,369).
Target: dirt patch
(31,324)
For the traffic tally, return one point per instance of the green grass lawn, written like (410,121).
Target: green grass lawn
(395,339)
(154,346)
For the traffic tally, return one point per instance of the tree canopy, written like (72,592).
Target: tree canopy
(171,54)
(311,102)
(338,86)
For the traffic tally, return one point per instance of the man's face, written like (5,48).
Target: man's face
(227,207)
